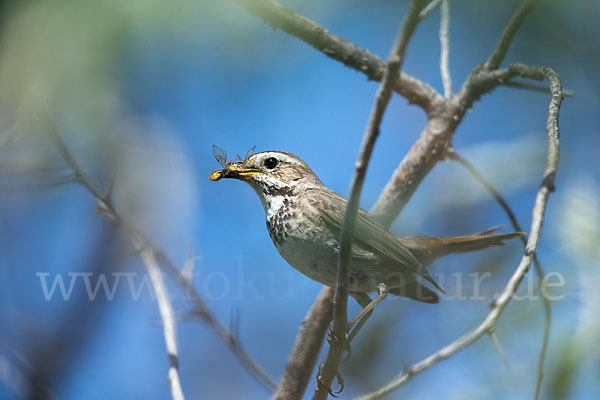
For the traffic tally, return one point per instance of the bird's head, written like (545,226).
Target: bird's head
(271,174)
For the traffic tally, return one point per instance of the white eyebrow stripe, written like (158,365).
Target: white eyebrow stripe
(281,157)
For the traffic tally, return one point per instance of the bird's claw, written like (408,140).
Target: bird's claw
(321,385)
(340,381)
(348,348)
(332,338)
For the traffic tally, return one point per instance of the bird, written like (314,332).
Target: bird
(304,220)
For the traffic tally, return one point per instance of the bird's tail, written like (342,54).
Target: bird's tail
(428,248)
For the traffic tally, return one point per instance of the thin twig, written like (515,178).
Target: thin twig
(351,55)
(434,141)
(189,265)
(27,371)
(201,309)
(146,255)
(204,312)
(382,98)
(168,321)
(41,182)
(506,39)
(536,88)
(429,9)
(498,347)
(538,266)
(546,338)
(303,357)
(547,186)
(445,48)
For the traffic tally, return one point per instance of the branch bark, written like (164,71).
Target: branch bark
(444,117)
(351,55)
(201,309)
(547,186)
(445,49)
(538,265)
(508,35)
(166,313)
(340,317)
(301,362)
(141,246)
(425,153)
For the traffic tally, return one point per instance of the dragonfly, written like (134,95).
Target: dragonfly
(221,157)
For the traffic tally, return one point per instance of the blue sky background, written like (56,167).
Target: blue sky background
(149,88)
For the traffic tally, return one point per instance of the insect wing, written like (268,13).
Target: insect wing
(249,153)
(220,155)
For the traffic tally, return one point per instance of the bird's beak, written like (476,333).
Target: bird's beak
(233,171)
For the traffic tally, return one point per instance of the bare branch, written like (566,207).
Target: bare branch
(507,36)
(68,157)
(190,263)
(418,162)
(435,139)
(547,186)
(546,338)
(445,48)
(25,371)
(452,154)
(536,88)
(201,309)
(498,347)
(301,362)
(382,98)
(273,13)
(146,255)
(166,313)
(429,9)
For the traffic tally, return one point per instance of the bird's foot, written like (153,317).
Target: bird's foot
(322,386)
(332,338)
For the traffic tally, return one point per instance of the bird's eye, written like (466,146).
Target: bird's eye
(271,162)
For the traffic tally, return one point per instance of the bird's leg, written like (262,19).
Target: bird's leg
(364,300)
(382,292)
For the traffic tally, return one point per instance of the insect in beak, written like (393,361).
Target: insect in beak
(231,169)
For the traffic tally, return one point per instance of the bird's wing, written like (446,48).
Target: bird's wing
(368,234)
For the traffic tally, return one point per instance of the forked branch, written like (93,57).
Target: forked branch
(546,187)
(303,357)
(348,53)
(538,266)
(436,138)
(444,114)
(154,258)
(340,317)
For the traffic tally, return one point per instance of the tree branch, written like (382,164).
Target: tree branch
(204,312)
(538,266)
(166,313)
(164,304)
(429,9)
(535,88)
(301,362)
(435,139)
(418,162)
(444,115)
(445,49)
(351,55)
(201,309)
(508,35)
(340,318)
(547,186)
